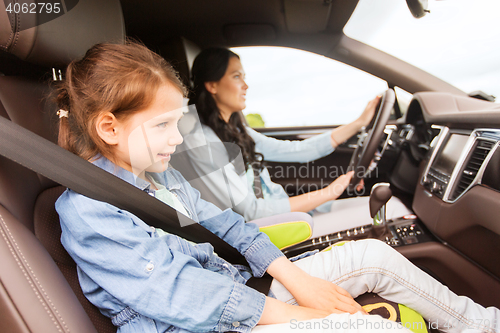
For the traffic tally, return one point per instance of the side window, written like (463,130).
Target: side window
(289,87)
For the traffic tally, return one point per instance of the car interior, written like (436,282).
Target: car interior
(441,158)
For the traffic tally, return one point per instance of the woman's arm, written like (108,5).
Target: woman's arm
(310,149)
(308,201)
(220,182)
(301,151)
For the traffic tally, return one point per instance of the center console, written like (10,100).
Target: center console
(457,162)
(404,231)
(438,175)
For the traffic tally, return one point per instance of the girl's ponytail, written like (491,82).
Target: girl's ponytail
(63,101)
(64,132)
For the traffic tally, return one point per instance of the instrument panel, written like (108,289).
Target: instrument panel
(458,161)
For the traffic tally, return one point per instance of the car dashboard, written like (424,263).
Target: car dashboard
(448,164)
(459,161)
(458,189)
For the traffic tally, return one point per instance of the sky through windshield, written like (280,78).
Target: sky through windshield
(459,41)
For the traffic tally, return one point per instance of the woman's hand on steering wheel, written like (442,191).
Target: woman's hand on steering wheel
(366,117)
(370,140)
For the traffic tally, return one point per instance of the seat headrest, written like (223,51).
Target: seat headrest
(68,36)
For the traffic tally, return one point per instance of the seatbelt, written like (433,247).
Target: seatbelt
(51,161)
(257,184)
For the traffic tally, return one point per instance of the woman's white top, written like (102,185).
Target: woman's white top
(224,182)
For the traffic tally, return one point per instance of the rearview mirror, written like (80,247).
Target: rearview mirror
(418,8)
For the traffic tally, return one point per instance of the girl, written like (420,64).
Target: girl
(219,95)
(119,109)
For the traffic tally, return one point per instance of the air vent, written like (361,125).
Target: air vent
(469,173)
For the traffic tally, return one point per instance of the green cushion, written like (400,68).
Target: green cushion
(288,233)
(413,320)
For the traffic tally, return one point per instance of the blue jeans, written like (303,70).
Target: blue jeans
(372,266)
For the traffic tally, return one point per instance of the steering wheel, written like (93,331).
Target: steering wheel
(369,139)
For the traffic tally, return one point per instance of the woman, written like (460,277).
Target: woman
(219,95)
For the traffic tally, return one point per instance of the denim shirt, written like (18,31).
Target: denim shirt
(228,187)
(148,283)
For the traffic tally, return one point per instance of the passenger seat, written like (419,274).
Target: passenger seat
(39,289)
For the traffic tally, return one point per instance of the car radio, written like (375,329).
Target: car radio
(442,163)
(436,182)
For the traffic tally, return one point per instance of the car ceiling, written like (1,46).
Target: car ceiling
(312,25)
(305,24)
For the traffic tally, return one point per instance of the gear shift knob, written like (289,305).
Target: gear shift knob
(380,194)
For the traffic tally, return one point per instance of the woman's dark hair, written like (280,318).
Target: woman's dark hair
(210,66)
(119,78)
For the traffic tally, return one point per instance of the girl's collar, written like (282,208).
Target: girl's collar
(105,164)
(169,181)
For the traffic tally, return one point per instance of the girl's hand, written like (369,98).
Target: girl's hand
(312,292)
(324,295)
(278,312)
(369,112)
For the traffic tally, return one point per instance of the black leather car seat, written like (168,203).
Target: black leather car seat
(39,289)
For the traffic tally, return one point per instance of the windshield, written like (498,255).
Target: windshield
(458,41)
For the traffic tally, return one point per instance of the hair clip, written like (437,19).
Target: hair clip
(62,113)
